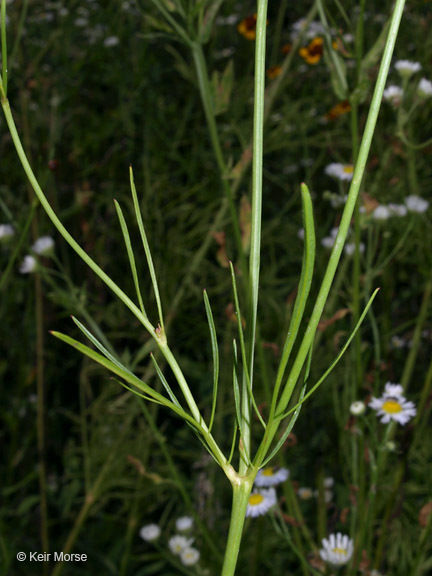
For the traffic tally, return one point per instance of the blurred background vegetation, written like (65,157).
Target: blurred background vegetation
(97,86)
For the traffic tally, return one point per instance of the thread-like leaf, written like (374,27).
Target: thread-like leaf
(130,254)
(303,290)
(146,247)
(164,382)
(243,348)
(337,359)
(215,354)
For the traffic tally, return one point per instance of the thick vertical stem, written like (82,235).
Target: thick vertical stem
(241,493)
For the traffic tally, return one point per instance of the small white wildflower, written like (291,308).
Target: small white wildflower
(393,390)
(398,342)
(329,482)
(424,88)
(397,209)
(336,201)
(349,248)
(301,233)
(43,246)
(28,265)
(271,476)
(416,204)
(189,556)
(393,94)
(328,241)
(395,408)
(343,172)
(337,550)
(6,231)
(406,68)
(111,41)
(178,543)
(81,22)
(358,408)
(261,502)
(150,533)
(381,212)
(184,523)
(305,493)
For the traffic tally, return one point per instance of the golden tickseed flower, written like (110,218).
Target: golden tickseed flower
(273,72)
(247,27)
(338,110)
(286,49)
(313,53)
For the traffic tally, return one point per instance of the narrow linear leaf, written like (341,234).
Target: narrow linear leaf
(164,382)
(243,348)
(146,247)
(215,354)
(99,345)
(288,429)
(336,361)
(303,289)
(233,443)
(115,368)
(130,255)
(236,389)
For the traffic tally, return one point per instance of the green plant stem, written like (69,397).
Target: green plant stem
(4,76)
(241,493)
(342,233)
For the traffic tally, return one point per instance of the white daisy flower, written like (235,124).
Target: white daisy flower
(179,543)
(28,265)
(271,476)
(393,390)
(393,94)
(189,556)
(381,212)
(416,204)
(43,246)
(357,408)
(184,523)
(337,550)
(406,68)
(424,88)
(150,533)
(343,172)
(395,408)
(6,231)
(261,502)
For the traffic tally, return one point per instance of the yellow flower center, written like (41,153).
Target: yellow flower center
(348,169)
(339,551)
(392,407)
(255,499)
(268,472)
